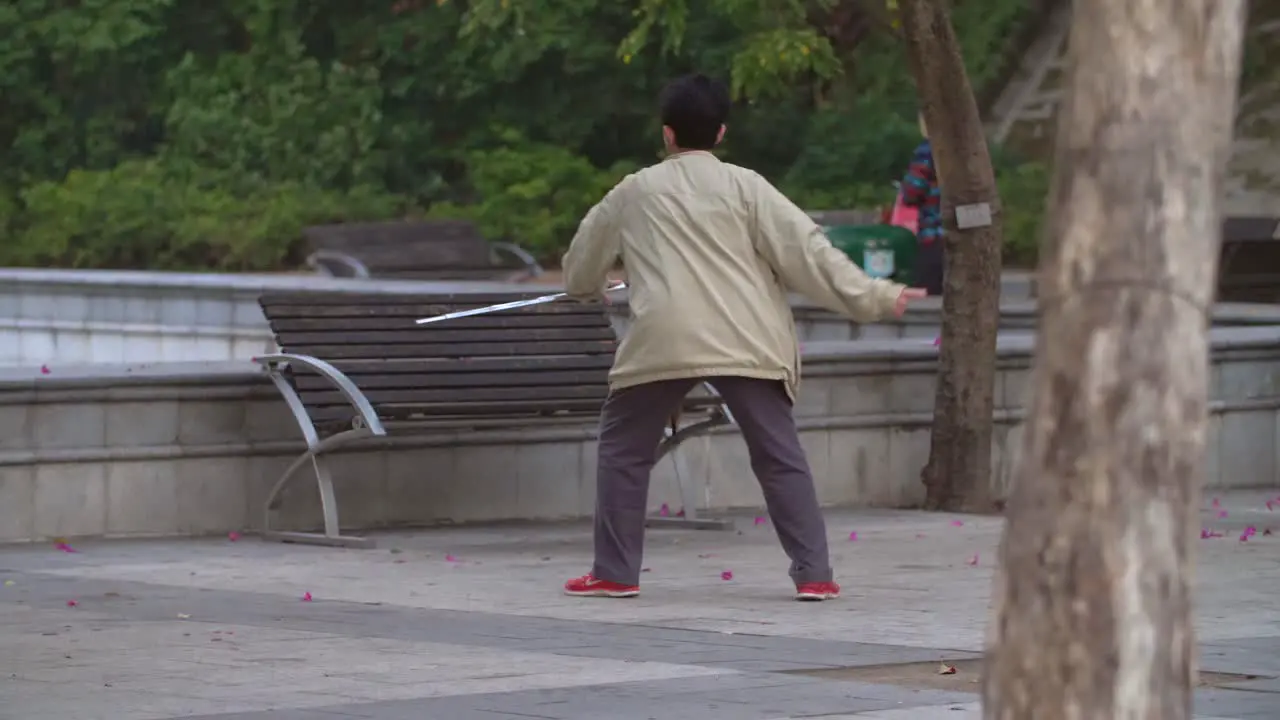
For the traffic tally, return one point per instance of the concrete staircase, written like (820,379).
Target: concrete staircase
(1025,112)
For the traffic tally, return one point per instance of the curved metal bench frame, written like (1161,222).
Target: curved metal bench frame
(367,424)
(320,261)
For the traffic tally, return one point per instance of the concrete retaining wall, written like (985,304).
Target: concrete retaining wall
(63,318)
(191,448)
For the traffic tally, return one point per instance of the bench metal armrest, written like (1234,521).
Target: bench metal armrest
(323,262)
(352,394)
(531,265)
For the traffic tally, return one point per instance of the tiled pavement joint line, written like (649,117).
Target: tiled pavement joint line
(143,602)
(745,696)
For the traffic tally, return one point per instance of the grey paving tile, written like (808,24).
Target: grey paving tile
(1238,704)
(1243,657)
(133,602)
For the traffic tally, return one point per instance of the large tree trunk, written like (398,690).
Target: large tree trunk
(958,473)
(1092,612)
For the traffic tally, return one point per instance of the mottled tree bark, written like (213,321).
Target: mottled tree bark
(958,473)
(1092,612)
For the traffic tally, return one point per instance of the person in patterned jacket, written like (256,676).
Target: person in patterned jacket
(920,190)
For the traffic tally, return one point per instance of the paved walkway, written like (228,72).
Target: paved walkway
(468,624)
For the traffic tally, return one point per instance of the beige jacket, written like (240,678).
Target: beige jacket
(711,250)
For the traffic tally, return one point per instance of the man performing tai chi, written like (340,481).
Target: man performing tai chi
(710,251)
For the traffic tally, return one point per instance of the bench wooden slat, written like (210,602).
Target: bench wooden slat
(450,350)
(517,411)
(409,313)
(441,335)
(454,301)
(496,321)
(477,365)
(372,381)
(463,396)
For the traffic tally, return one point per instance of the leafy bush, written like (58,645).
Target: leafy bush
(144,215)
(1024,190)
(532,193)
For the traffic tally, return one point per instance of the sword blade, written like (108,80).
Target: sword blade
(503,306)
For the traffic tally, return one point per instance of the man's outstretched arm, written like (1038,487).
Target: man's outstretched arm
(797,249)
(595,249)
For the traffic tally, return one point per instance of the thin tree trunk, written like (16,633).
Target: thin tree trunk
(958,473)
(1092,612)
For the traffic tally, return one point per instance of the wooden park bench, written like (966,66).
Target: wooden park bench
(356,366)
(1249,269)
(415,250)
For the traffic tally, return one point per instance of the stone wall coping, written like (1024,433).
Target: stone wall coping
(1009,345)
(123,282)
(111,375)
(204,283)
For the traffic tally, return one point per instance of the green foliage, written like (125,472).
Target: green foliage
(143,215)
(154,133)
(1024,190)
(533,193)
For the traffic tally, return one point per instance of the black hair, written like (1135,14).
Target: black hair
(694,107)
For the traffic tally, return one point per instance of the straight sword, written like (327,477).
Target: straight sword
(505,306)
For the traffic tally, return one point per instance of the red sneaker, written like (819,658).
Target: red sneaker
(817,591)
(589,586)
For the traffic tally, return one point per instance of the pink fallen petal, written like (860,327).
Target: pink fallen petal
(1204,534)
(760,520)
(680,513)
(664,510)
(1217,503)
(233,536)
(1244,537)
(957,523)
(44,370)
(937,342)
(1251,531)
(450,559)
(306,597)
(1222,514)
(726,575)
(973,560)
(72,603)
(65,547)
(853,535)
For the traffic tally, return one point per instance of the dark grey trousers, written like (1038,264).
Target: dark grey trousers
(631,427)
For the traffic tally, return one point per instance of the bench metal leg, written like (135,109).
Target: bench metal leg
(688,517)
(313,456)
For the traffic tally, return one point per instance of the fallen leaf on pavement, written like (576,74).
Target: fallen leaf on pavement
(946,669)
(726,575)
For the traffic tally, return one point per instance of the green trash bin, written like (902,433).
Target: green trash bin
(882,251)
